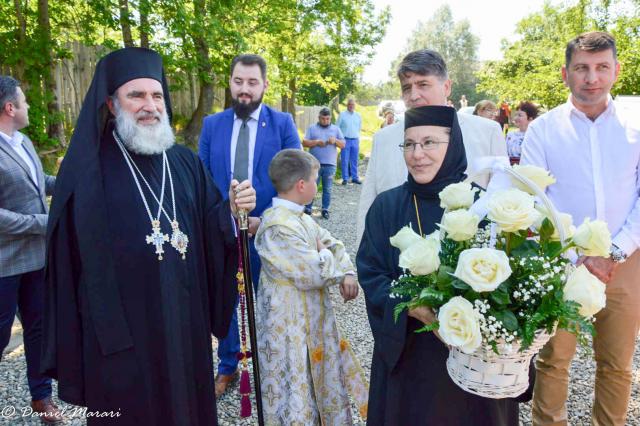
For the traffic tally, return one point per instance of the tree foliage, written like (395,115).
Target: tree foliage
(314,47)
(457,45)
(530,69)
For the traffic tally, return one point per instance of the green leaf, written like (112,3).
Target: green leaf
(429,327)
(471,295)
(517,239)
(397,310)
(546,230)
(527,249)
(444,275)
(500,296)
(553,249)
(508,320)
(460,285)
(431,297)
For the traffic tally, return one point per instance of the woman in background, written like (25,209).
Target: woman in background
(525,114)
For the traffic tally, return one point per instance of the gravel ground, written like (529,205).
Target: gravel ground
(352,319)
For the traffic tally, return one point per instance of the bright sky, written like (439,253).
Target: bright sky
(491,21)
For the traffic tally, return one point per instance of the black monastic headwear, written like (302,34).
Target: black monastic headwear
(454,164)
(79,189)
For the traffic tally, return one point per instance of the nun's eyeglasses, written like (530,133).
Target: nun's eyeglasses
(426,145)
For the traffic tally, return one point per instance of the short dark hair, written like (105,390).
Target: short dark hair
(529,108)
(289,166)
(423,62)
(8,91)
(594,41)
(250,59)
(325,112)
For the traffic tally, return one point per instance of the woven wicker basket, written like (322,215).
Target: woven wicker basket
(506,375)
(490,375)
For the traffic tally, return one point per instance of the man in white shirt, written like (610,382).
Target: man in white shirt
(592,147)
(424,81)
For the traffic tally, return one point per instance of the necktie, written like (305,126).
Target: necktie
(241,165)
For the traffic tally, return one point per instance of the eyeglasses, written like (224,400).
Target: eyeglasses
(426,145)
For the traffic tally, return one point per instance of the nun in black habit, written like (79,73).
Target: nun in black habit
(126,334)
(409,380)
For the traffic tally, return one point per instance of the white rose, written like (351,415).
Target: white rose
(583,287)
(593,238)
(512,210)
(457,196)
(421,258)
(566,221)
(404,238)
(484,269)
(460,225)
(460,325)
(538,175)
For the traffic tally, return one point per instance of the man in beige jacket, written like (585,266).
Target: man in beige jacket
(424,81)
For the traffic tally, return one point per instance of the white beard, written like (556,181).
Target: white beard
(142,139)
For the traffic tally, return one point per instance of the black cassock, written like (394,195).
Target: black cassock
(409,380)
(145,352)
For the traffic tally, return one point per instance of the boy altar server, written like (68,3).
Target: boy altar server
(308,369)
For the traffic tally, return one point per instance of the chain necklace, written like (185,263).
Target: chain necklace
(179,240)
(415,203)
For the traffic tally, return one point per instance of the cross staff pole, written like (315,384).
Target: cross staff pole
(243,221)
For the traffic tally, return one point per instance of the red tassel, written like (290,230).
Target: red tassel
(245,384)
(245,406)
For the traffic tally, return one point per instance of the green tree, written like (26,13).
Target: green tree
(457,45)
(530,69)
(321,47)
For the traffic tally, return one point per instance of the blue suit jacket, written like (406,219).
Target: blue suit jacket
(276,131)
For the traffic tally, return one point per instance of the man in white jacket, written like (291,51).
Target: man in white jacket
(424,81)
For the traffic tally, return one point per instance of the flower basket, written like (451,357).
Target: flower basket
(499,291)
(491,375)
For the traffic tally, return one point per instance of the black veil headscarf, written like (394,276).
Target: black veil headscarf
(79,188)
(454,164)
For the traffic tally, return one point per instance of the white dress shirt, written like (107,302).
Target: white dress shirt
(253,131)
(16,143)
(481,137)
(595,164)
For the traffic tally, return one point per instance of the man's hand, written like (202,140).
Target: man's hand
(254,223)
(320,143)
(349,288)
(241,196)
(331,141)
(426,316)
(602,267)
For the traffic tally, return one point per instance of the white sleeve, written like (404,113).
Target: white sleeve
(498,144)
(628,237)
(369,190)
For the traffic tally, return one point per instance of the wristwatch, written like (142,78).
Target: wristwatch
(617,254)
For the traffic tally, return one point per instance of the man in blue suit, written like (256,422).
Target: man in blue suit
(240,143)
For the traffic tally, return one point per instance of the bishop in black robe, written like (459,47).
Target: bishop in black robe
(409,379)
(126,334)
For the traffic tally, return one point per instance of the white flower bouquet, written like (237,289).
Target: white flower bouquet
(500,286)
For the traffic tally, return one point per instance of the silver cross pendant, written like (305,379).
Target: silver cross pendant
(157,238)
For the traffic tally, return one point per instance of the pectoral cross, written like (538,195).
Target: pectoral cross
(157,238)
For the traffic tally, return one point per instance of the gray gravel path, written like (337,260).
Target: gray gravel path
(352,320)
